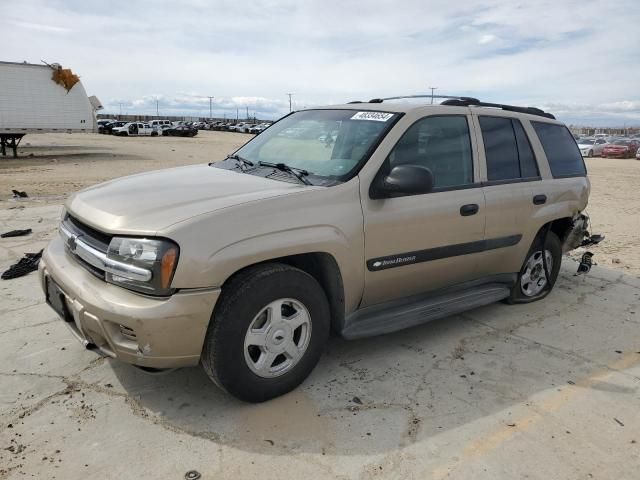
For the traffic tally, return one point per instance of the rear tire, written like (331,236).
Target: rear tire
(267,332)
(532,285)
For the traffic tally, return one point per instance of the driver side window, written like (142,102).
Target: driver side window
(440,143)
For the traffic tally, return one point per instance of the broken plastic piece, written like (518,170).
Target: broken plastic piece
(592,240)
(16,233)
(19,194)
(27,264)
(585,263)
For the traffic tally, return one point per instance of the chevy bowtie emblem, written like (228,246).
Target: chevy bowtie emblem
(71,243)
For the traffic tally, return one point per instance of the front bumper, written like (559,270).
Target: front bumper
(145,331)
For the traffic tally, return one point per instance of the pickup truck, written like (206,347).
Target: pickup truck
(135,129)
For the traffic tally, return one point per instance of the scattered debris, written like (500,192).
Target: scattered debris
(618,351)
(16,233)
(356,400)
(571,382)
(618,422)
(192,475)
(27,264)
(270,442)
(19,194)
(511,424)
(585,263)
(615,260)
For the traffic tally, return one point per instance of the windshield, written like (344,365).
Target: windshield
(586,141)
(325,143)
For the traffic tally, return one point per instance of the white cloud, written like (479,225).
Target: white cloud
(532,53)
(486,38)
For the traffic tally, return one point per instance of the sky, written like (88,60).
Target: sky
(577,59)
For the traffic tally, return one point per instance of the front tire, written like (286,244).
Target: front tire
(267,332)
(532,284)
(590,153)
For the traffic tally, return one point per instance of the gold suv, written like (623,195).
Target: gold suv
(360,219)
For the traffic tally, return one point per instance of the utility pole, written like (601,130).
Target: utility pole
(432,89)
(120,105)
(247,114)
(157,110)
(290,94)
(237,114)
(210,106)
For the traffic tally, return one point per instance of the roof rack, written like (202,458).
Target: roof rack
(456,100)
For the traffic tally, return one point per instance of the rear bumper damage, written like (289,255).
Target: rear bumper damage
(578,234)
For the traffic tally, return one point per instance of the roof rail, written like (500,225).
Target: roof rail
(509,108)
(456,100)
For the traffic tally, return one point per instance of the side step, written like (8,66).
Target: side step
(408,312)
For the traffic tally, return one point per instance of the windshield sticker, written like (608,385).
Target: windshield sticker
(375,116)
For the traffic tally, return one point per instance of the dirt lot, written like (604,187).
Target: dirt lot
(543,391)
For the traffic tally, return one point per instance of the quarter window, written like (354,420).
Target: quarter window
(507,150)
(440,143)
(561,150)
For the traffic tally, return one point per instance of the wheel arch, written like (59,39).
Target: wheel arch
(324,268)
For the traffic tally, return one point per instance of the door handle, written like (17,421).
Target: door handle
(469,209)
(539,199)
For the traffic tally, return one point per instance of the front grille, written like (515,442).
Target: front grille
(90,236)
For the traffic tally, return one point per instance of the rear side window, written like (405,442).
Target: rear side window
(561,150)
(507,150)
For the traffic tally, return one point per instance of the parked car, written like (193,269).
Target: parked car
(590,147)
(621,148)
(103,123)
(108,128)
(135,129)
(245,265)
(180,131)
(258,128)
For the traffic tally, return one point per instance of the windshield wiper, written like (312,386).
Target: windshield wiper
(242,162)
(299,173)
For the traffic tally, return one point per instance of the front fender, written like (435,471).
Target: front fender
(320,238)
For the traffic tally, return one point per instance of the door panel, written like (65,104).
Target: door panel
(512,181)
(418,243)
(414,237)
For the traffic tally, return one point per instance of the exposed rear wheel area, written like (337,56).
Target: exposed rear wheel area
(533,283)
(267,332)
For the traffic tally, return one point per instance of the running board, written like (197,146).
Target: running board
(408,312)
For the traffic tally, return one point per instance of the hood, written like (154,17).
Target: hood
(585,145)
(148,202)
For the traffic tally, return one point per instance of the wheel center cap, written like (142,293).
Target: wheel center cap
(278,336)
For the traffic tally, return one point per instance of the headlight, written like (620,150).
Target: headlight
(144,265)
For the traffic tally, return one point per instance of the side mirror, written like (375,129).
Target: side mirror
(403,180)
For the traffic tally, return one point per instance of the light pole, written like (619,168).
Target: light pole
(290,94)
(432,89)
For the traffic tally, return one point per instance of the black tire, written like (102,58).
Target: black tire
(554,247)
(590,153)
(242,298)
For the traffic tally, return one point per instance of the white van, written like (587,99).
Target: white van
(157,124)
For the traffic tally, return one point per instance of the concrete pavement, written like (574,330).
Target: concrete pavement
(543,391)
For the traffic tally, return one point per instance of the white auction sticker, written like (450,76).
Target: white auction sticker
(375,116)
